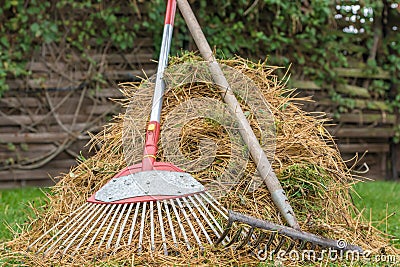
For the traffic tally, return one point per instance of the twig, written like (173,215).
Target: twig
(44,159)
(250,8)
(374,49)
(137,9)
(54,108)
(55,115)
(78,108)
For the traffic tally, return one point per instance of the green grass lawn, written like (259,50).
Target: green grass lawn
(14,209)
(383,200)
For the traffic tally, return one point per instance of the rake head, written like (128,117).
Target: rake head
(159,211)
(262,238)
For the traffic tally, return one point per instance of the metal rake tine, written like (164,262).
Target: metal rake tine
(171,226)
(189,223)
(108,245)
(219,204)
(91,228)
(225,233)
(214,206)
(142,227)
(302,245)
(57,224)
(78,229)
(86,207)
(65,231)
(221,234)
(245,233)
(246,239)
(291,246)
(198,221)
(109,226)
(209,213)
(81,229)
(259,239)
(270,240)
(100,227)
(204,217)
(160,219)
(152,244)
(280,244)
(80,222)
(292,233)
(121,229)
(133,223)
(235,237)
(180,224)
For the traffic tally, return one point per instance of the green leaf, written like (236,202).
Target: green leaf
(11,147)
(4,41)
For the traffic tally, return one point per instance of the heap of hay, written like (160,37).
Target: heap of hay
(306,161)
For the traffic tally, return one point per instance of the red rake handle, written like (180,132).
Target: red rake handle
(170,14)
(153,128)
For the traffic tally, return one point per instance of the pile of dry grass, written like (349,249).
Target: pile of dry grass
(306,160)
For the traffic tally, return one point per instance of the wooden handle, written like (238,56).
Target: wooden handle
(263,165)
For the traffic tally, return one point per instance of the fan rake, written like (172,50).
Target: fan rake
(144,203)
(144,223)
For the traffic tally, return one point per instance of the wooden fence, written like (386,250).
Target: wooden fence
(45,119)
(366,126)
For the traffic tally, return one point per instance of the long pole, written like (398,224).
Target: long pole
(153,127)
(263,165)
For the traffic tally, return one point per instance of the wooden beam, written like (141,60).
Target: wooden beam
(352,90)
(138,43)
(24,183)
(128,74)
(363,118)
(27,119)
(359,104)
(125,58)
(38,174)
(101,109)
(374,105)
(109,92)
(45,67)
(79,76)
(306,85)
(361,148)
(12,102)
(364,132)
(361,73)
(32,137)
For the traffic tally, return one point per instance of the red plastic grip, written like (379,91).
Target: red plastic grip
(150,147)
(170,13)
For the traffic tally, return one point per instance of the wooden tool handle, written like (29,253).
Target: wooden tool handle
(263,165)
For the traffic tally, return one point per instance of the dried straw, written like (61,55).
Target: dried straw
(306,160)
